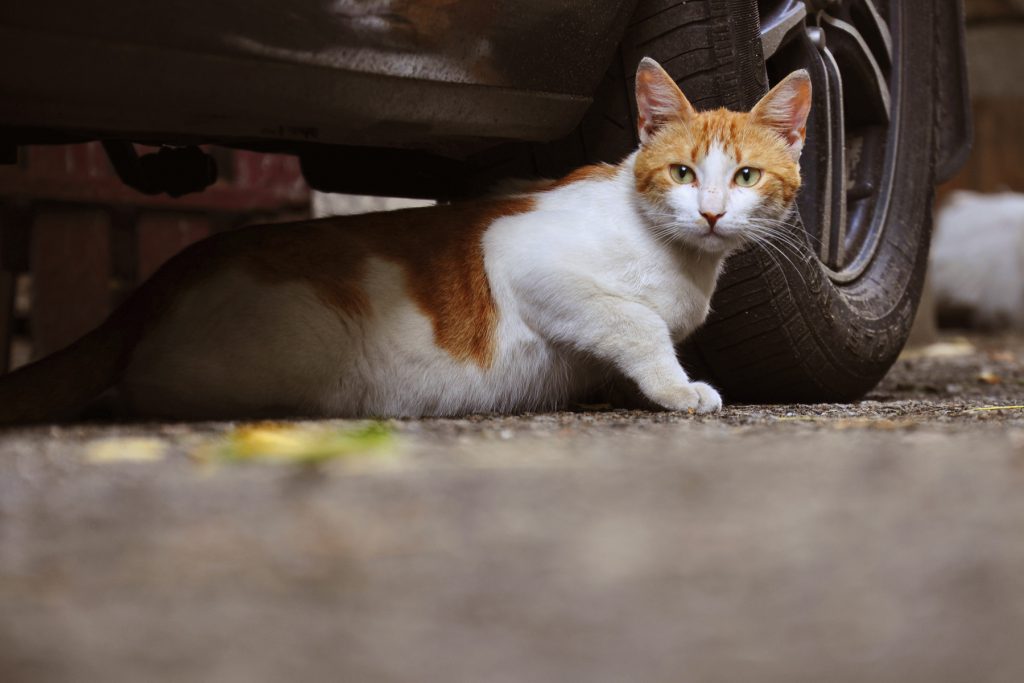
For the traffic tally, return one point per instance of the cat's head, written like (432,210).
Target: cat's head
(714,179)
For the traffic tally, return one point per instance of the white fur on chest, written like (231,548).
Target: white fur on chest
(588,239)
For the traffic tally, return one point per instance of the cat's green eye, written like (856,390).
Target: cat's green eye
(747,177)
(683,175)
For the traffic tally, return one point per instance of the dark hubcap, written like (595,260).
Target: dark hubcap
(850,48)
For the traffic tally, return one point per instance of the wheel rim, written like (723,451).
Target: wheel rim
(850,48)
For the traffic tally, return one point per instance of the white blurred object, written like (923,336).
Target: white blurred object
(329,204)
(977,259)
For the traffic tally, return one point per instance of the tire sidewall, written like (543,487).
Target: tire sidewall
(847,335)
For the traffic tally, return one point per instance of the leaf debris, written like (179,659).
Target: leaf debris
(296,443)
(134,449)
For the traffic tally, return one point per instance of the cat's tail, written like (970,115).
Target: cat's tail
(59,385)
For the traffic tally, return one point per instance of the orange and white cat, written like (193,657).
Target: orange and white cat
(505,304)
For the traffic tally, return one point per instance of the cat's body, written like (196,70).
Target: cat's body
(517,285)
(505,304)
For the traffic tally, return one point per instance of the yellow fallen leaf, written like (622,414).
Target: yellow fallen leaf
(125,450)
(989,377)
(296,443)
(998,408)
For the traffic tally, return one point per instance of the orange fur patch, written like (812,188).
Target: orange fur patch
(439,249)
(592,172)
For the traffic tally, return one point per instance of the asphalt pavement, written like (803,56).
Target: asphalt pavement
(877,541)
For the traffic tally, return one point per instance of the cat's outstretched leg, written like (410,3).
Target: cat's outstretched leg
(636,340)
(647,356)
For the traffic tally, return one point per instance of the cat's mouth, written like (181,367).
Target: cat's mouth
(714,240)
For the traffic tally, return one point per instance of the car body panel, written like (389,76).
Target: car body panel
(424,73)
(444,77)
(955,131)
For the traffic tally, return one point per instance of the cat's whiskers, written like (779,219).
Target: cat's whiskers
(788,225)
(771,249)
(792,251)
(663,214)
(790,242)
(799,248)
(783,228)
(667,227)
(665,234)
(768,249)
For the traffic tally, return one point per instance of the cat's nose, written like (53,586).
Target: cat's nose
(712,218)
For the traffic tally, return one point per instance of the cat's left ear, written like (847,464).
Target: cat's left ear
(785,110)
(658,99)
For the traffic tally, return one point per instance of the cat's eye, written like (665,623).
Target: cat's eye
(683,175)
(747,177)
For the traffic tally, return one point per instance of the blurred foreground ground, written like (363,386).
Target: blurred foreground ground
(881,541)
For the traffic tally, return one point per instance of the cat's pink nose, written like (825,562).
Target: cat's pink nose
(712,218)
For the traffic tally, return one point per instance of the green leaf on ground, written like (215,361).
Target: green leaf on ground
(298,443)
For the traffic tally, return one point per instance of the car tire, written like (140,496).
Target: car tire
(785,326)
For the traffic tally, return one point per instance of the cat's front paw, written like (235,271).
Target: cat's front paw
(698,397)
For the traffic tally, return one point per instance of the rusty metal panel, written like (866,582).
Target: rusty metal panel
(82,174)
(383,72)
(87,239)
(558,46)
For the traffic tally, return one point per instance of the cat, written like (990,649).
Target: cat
(977,260)
(500,304)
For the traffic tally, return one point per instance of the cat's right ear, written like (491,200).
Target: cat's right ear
(658,99)
(785,110)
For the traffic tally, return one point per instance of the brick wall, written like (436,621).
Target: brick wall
(74,240)
(995,32)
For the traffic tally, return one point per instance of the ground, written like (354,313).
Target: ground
(879,541)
